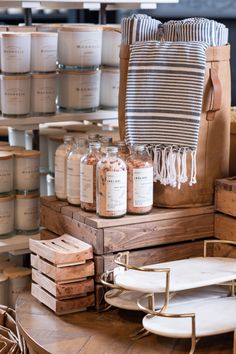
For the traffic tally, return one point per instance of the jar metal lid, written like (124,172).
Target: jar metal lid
(56,137)
(15,34)
(27,196)
(81,28)
(4,155)
(15,77)
(6,199)
(27,153)
(110,70)
(44,76)
(44,34)
(84,72)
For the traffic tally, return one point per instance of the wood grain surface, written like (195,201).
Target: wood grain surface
(100,333)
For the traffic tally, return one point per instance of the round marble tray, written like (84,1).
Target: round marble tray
(213,316)
(185,274)
(127,299)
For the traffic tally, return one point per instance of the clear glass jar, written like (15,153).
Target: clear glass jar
(61,155)
(140,181)
(123,150)
(111,185)
(105,142)
(73,171)
(88,164)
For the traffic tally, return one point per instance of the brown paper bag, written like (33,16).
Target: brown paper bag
(214,132)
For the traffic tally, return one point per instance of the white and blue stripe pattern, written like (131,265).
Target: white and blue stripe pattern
(196,29)
(164,99)
(138,28)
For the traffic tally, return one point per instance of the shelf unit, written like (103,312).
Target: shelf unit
(17,244)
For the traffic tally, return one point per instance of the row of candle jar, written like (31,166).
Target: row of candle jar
(77,91)
(104,182)
(74,47)
(19,171)
(19,214)
(28,52)
(88,46)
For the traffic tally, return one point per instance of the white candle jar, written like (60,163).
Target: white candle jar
(27,213)
(6,172)
(6,216)
(109,91)
(26,171)
(80,46)
(15,53)
(111,40)
(43,94)
(43,52)
(79,90)
(15,91)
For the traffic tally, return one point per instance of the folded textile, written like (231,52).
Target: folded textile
(195,29)
(163,104)
(137,28)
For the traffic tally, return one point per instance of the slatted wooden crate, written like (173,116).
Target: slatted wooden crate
(62,273)
(225,204)
(164,234)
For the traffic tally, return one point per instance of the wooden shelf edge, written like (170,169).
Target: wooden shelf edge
(16,243)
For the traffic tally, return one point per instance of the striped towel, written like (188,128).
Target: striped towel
(163,104)
(195,29)
(137,28)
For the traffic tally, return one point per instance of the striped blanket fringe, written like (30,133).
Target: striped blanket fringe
(163,105)
(170,165)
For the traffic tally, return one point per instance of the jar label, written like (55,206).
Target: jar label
(6,218)
(86,183)
(6,176)
(60,176)
(116,190)
(143,187)
(73,178)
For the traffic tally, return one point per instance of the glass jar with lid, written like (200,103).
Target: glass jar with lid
(61,155)
(88,164)
(123,150)
(140,181)
(111,185)
(73,170)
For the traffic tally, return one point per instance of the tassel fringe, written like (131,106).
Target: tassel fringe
(170,165)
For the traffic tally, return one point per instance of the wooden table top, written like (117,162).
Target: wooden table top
(101,333)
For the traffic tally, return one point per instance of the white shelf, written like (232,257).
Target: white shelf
(98,116)
(16,243)
(78,4)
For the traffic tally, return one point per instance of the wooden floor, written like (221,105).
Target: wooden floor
(100,333)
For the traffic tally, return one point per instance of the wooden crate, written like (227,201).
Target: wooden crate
(225,196)
(232,160)
(62,273)
(160,227)
(225,227)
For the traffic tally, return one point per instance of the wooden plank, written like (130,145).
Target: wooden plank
(62,250)
(225,227)
(158,232)
(66,274)
(151,256)
(47,200)
(60,224)
(62,307)
(63,291)
(234,345)
(157,214)
(228,184)
(225,201)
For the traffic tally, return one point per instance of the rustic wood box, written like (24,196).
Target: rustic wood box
(225,196)
(160,227)
(63,273)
